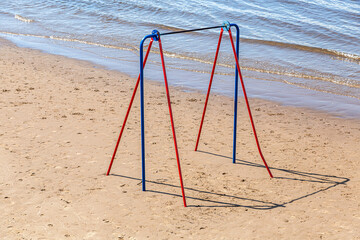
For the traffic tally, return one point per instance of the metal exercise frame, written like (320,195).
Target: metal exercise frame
(156,36)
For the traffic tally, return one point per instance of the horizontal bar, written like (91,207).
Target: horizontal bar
(191,30)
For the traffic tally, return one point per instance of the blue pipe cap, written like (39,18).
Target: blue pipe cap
(226,25)
(157,33)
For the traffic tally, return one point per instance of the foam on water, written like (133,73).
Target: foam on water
(23,19)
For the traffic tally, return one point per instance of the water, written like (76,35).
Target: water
(302,53)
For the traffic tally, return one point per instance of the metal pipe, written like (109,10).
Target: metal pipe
(236,90)
(128,111)
(142,106)
(248,105)
(172,121)
(209,88)
(191,30)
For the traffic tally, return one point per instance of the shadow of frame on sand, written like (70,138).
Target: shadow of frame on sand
(211,197)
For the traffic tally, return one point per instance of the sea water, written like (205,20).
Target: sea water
(301,53)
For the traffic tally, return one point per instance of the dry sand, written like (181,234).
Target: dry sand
(59,122)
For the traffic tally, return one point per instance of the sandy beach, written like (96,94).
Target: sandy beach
(59,122)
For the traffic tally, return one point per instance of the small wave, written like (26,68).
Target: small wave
(301,85)
(68,40)
(346,55)
(331,79)
(335,53)
(5,13)
(23,19)
(135,49)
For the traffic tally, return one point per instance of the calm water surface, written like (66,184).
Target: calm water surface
(303,53)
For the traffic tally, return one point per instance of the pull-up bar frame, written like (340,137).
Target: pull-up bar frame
(156,36)
(191,30)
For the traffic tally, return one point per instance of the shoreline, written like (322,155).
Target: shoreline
(59,124)
(287,95)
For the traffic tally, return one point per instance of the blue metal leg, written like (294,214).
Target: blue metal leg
(142,107)
(236,91)
(142,115)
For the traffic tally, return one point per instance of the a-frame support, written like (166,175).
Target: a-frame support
(227,25)
(155,36)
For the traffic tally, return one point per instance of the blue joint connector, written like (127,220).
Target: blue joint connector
(157,33)
(226,25)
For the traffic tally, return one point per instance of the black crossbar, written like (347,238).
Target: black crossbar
(191,30)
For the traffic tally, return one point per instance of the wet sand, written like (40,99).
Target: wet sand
(59,122)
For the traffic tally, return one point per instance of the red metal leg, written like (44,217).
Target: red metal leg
(172,122)
(208,92)
(248,105)
(128,111)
